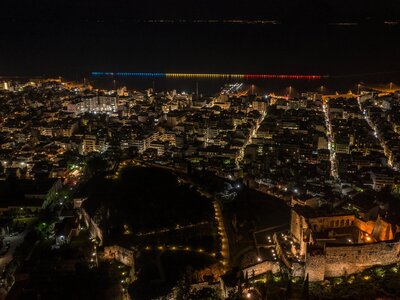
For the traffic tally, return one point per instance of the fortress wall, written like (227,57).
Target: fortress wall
(120,254)
(345,260)
(262,268)
(352,259)
(94,229)
(364,226)
(297,270)
(382,230)
(297,222)
(315,268)
(298,225)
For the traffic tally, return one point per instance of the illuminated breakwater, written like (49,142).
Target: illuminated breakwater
(206,75)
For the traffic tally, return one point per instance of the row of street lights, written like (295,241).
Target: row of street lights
(334,171)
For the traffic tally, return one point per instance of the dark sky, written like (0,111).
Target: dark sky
(76,37)
(285,10)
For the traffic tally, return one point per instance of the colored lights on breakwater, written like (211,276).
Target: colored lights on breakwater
(206,75)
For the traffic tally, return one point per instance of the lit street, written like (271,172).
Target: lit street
(331,142)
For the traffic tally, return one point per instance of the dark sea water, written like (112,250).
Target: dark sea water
(349,53)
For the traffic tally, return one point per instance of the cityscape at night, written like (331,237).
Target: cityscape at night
(200,150)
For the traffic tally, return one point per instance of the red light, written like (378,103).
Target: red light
(281,76)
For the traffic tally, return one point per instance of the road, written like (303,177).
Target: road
(248,140)
(332,151)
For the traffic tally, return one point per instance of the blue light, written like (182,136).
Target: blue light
(129,74)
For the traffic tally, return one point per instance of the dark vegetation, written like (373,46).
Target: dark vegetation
(145,199)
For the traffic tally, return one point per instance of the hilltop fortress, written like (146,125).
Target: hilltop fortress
(343,242)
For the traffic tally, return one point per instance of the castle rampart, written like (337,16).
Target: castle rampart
(344,260)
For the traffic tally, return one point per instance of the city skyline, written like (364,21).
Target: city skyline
(186,149)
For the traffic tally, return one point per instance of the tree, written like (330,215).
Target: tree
(182,289)
(269,276)
(240,282)
(205,294)
(306,289)
(289,290)
(183,286)
(189,168)
(95,164)
(234,295)
(246,280)
(262,288)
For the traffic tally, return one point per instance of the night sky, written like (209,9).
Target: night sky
(72,38)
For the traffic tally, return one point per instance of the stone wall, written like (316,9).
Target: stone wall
(366,226)
(382,230)
(261,268)
(315,268)
(353,259)
(214,271)
(94,229)
(298,225)
(120,254)
(345,260)
(297,270)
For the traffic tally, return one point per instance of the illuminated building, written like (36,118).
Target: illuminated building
(342,243)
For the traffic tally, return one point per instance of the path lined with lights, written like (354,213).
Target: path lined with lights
(224,237)
(332,151)
(206,75)
(179,248)
(175,228)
